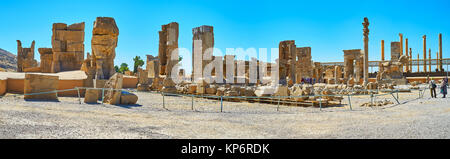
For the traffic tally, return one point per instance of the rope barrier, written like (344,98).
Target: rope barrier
(372,93)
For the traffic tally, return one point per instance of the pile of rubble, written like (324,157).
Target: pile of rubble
(377,103)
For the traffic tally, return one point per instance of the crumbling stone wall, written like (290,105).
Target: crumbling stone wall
(25,57)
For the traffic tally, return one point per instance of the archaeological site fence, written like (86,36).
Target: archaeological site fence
(230,104)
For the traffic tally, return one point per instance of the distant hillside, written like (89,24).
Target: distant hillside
(8,61)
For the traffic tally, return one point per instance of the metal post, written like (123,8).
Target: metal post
(221,103)
(349,102)
(397,95)
(103,94)
(320,103)
(192,102)
(164,106)
(278,106)
(371,99)
(395,98)
(79,97)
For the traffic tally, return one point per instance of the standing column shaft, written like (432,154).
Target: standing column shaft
(401,48)
(411,59)
(424,53)
(366,50)
(406,53)
(418,66)
(440,52)
(437,62)
(429,60)
(382,50)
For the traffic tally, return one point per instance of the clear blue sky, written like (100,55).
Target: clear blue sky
(327,26)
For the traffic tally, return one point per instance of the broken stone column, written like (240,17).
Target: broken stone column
(337,74)
(25,57)
(35,83)
(168,44)
(67,47)
(286,55)
(104,42)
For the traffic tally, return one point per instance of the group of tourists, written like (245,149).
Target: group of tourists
(443,87)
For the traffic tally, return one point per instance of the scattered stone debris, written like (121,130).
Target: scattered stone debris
(377,103)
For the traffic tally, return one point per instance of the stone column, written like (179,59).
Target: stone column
(440,52)
(437,62)
(406,53)
(401,49)
(429,60)
(366,50)
(418,59)
(411,59)
(401,43)
(382,50)
(424,53)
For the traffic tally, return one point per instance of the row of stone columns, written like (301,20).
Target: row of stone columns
(408,67)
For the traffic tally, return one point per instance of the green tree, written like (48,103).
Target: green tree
(116,68)
(138,62)
(123,68)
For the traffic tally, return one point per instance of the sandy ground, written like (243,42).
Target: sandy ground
(413,118)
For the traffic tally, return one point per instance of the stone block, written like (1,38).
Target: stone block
(35,83)
(91,96)
(127,98)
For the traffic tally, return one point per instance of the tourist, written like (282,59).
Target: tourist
(433,88)
(444,87)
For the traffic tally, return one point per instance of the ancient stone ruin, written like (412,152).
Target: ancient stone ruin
(168,45)
(25,57)
(104,42)
(203,42)
(352,72)
(286,55)
(391,71)
(67,47)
